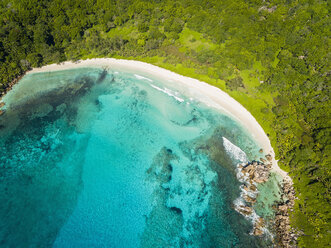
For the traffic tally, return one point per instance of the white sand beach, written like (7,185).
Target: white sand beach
(206,93)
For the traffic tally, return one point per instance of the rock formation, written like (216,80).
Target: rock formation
(250,175)
(286,236)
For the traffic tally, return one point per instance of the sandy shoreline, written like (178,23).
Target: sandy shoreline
(212,96)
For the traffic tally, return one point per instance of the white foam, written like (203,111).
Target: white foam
(253,217)
(141,77)
(234,151)
(169,93)
(252,194)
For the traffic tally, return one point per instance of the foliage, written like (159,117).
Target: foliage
(272,56)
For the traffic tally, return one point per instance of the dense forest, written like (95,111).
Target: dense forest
(272,56)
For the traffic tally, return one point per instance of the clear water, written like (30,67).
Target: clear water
(96,159)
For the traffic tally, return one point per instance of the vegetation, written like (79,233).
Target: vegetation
(272,56)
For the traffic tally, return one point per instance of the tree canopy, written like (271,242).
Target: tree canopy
(272,56)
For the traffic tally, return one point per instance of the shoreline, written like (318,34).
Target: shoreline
(215,97)
(206,93)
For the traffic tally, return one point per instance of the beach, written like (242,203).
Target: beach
(213,96)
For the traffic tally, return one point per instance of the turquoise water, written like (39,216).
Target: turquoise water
(90,158)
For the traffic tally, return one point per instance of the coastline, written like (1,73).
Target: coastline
(215,97)
(212,96)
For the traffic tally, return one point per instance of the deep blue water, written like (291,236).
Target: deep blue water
(90,158)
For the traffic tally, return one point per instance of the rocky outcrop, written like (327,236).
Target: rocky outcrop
(250,175)
(1,105)
(259,227)
(286,236)
(244,210)
(254,172)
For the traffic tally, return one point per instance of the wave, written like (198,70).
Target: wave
(234,151)
(168,92)
(141,77)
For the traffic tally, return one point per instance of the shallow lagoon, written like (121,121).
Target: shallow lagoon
(96,158)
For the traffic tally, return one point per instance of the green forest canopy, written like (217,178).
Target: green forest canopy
(272,56)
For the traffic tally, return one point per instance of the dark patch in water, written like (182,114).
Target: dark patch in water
(170,167)
(32,180)
(193,120)
(177,210)
(102,76)
(56,97)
